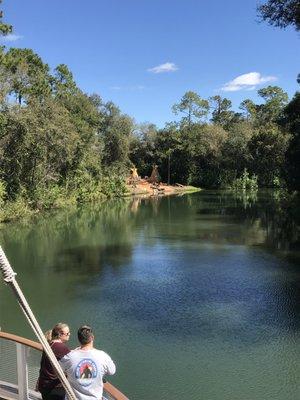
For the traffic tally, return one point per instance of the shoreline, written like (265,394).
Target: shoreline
(21,210)
(146,189)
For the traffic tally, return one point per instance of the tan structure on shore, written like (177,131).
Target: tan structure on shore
(154,178)
(133,173)
(134,178)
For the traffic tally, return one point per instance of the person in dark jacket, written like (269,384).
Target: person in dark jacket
(48,383)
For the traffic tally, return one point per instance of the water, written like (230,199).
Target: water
(194,297)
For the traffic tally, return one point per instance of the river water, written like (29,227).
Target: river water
(194,297)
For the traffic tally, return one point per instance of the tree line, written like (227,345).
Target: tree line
(216,152)
(59,144)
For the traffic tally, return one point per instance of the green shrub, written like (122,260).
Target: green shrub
(113,186)
(15,210)
(2,193)
(46,198)
(245,182)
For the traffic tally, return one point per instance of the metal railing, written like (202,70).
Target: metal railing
(19,370)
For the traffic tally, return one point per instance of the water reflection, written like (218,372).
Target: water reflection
(87,260)
(203,279)
(211,279)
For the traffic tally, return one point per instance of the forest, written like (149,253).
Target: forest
(59,145)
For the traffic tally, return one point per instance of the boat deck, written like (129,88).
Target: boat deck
(19,370)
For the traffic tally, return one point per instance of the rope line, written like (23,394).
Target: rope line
(6,269)
(9,278)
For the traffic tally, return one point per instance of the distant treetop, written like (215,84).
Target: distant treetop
(281,13)
(5,29)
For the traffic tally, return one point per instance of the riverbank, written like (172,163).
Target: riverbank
(147,189)
(22,208)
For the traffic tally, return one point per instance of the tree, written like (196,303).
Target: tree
(236,156)
(38,145)
(275,101)
(143,147)
(192,106)
(268,149)
(206,153)
(173,153)
(28,74)
(221,110)
(62,82)
(249,108)
(281,13)
(5,29)
(115,131)
(291,122)
(269,112)
(86,119)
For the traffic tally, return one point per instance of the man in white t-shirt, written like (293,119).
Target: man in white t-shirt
(86,366)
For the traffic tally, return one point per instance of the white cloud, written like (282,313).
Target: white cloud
(166,67)
(137,87)
(10,38)
(247,81)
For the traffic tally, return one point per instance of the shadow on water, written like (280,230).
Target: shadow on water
(88,260)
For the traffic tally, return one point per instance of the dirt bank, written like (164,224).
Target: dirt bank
(143,187)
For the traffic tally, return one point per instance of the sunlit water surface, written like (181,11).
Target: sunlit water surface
(194,297)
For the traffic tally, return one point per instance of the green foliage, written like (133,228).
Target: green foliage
(29,76)
(291,122)
(193,106)
(269,112)
(62,82)
(207,150)
(5,29)
(143,148)
(245,182)
(113,186)
(236,155)
(215,155)
(46,198)
(116,139)
(221,111)
(268,149)
(15,210)
(249,108)
(60,146)
(85,188)
(275,101)
(172,154)
(281,13)
(2,193)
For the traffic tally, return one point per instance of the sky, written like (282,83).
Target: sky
(145,54)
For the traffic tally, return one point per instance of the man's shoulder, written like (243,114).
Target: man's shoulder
(99,355)
(72,354)
(75,352)
(101,352)
(78,353)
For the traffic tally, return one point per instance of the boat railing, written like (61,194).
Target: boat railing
(19,370)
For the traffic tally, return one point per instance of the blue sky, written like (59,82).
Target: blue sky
(145,54)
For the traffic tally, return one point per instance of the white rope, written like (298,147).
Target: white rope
(9,278)
(6,269)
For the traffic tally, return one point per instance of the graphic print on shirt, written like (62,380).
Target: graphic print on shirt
(86,371)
